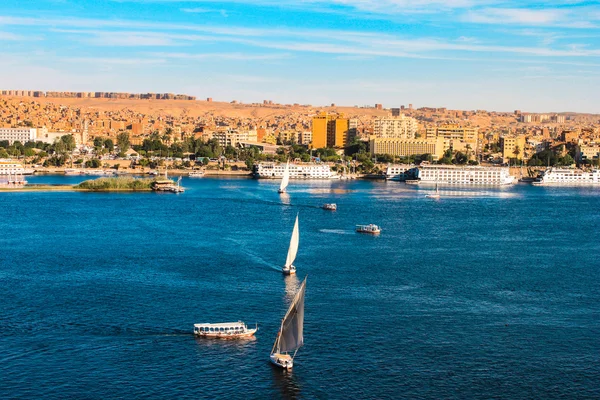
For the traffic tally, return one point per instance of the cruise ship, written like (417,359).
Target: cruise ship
(463,175)
(401,172)
(296,171)
(10,167)
(568,176)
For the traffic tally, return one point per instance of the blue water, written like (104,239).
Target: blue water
(485,293)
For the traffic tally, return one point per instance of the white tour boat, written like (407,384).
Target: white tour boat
(330,206)
(371,228)
(226,330)
(285,180)
(289,268)
(196,174)
(291,333)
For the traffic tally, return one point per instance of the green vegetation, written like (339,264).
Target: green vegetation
(118,183)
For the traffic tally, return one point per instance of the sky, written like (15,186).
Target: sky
(501,55)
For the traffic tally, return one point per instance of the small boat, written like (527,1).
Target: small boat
(371,228)
(289,268)
(329,206)
(286,178)
(291,333)
(196,174)
(226,330)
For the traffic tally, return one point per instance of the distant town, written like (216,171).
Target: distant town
(137,130)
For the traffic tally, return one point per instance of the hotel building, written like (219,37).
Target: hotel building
(22,135)
(407,147)
(401,127)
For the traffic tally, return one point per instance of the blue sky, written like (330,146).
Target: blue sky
(462,54)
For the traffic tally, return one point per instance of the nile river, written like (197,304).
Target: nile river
(484,293)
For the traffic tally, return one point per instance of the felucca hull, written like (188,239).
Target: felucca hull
(288,271)
(282,361)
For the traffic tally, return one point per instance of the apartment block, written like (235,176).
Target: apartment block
(401,127)
(513,147)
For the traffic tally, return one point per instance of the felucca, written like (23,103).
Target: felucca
(286,178)
(289,268)
(291,333)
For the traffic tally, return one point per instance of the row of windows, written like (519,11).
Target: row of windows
(237,329)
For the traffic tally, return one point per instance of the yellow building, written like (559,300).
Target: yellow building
(512,147)
(330,130)
(454,132)
(319,130)
(339,134)
(407,147)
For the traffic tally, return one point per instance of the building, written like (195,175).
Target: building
(330,130)
(320,125)
(407,147)
(454,132)
(569,136)
(512,147)
(305,138)
(401,127)
(22,135)
(396,112)
(589,152)
(233,137)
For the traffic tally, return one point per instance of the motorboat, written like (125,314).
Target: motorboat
(371,228)
(329,206)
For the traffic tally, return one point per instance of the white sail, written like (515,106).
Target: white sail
(294,242)
(286,177)
(291,336)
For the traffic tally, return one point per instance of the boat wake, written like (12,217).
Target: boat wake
(337,231)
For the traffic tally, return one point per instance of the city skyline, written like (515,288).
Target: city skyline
(500,55)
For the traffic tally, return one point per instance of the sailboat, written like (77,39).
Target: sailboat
(286,178)
(435,195)
(291,333)
(289,268)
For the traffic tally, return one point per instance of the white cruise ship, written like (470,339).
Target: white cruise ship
(10,167)
(401,172)
(568,176)
(296,171)
(464,175)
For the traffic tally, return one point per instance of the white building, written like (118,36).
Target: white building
(401,127)
(22,135)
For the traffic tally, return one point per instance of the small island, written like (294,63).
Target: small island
(112,184)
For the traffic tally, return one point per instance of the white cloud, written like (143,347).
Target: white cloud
(554,17)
